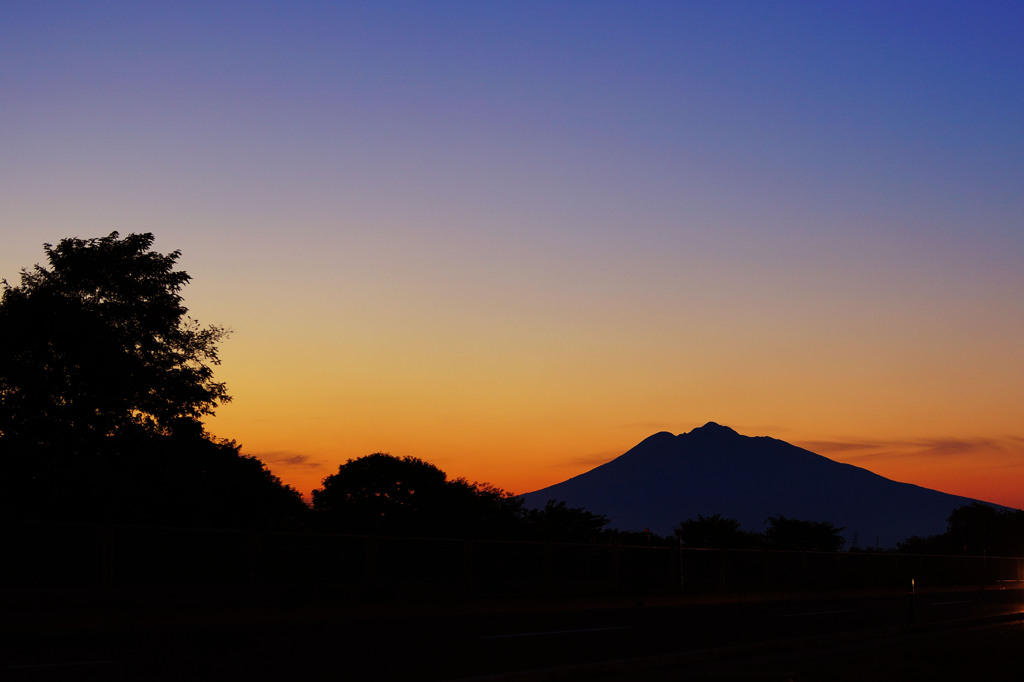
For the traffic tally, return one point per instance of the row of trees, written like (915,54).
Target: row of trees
(385,495)
(105,381)
(781,533)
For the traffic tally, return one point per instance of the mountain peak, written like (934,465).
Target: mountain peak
(715,470)
(714,429)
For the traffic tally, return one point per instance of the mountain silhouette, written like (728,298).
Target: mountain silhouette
(667,478)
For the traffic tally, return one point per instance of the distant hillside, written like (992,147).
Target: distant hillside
(666,479)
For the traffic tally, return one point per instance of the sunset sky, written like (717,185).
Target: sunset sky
(516,238)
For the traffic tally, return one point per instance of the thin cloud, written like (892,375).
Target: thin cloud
(941,447)
(822,446)
(961,446)
(289,460)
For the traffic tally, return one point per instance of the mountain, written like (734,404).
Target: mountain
(669,478)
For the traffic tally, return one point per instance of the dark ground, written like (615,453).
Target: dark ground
(989,652)
(967,635)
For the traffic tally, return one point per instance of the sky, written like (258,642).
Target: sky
(516,238)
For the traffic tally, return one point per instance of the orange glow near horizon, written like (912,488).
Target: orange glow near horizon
(526,405)
(304,423)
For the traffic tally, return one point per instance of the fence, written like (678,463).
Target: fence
(62,562)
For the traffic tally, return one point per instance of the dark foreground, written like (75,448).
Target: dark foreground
(951,635)
(983,652)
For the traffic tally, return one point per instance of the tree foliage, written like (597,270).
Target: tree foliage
(104,381)
(385,495)
(974,529)
(381,494)
(716,532)
(782,533)
(100,341)
(558,522)
(795,534)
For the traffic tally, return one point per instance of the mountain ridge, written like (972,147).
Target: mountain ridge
(667,478)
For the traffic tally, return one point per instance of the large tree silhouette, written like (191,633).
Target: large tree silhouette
(104,381)
(100,341)
(381,494)
(974,529)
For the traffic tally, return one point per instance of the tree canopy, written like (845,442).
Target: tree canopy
(797,534)
(974,529)
(100,341)
(716,532)
(381,494)
(782,533)
(104,381)
(388,495)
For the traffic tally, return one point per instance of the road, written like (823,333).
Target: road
(458,640)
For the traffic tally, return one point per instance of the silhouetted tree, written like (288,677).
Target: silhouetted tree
(104,381)
(979,528)
(637,538)
(558,522)
(387,495)
(481,510)
(194,480)
(716,531)
(974,529)
(794,534)
(929,544)
(101,340)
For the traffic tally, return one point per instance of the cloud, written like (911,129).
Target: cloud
(289,460)
(823,446)
(941,447)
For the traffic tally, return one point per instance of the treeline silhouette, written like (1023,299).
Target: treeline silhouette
(105,381)
(782,533)
(385,495)
(975,529)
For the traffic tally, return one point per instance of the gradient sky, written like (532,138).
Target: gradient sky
(516,238)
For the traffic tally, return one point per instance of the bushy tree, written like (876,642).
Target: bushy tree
(104,381)
(974,529)
(382,494)
(558,522)
(717,532)
(795,534)
(100,341)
